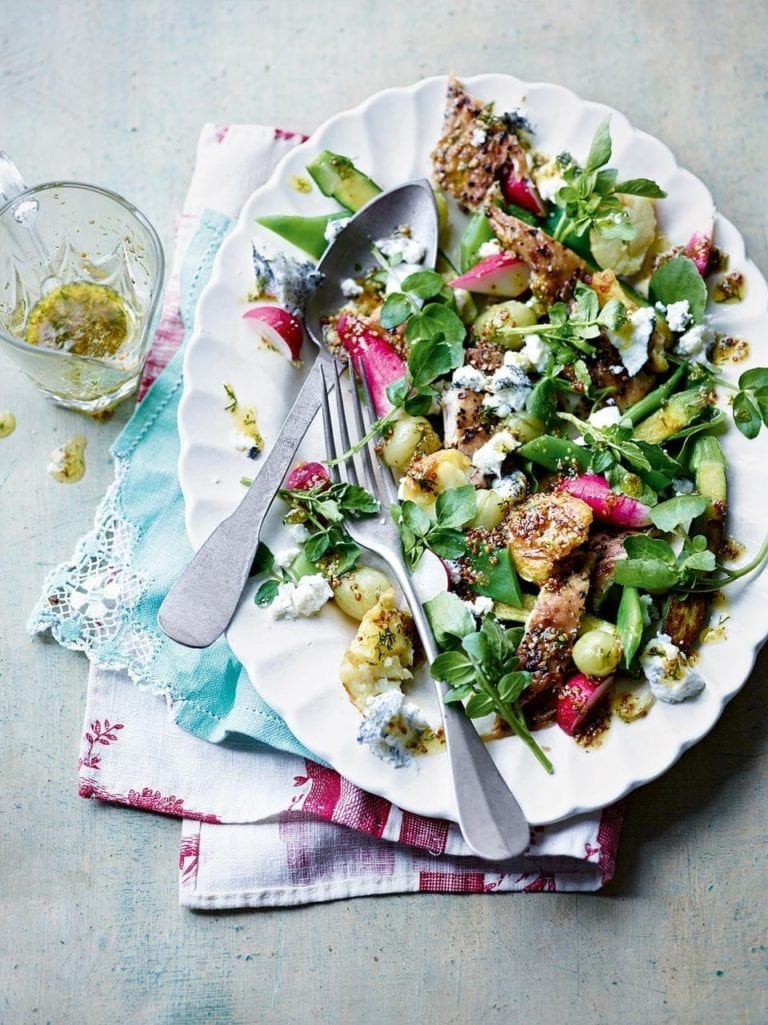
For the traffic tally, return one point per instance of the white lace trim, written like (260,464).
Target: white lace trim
(91,603)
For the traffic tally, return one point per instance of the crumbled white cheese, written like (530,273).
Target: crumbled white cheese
(548,181)
(682,486)
(667,671)
(285,556)
(409,249)
(289,281)
(479,606)
(57,460)
(241,441)
(510,387)
(511,488)
(469,378)
(297,532)
(350,288)
(534,355)
(334,228)
(453,569)
(392,727)
(695,343)
(490,248)
(302,599)
(607,416)
(537,352)
(678,316)
(632,341)
(479,135)
(489,457)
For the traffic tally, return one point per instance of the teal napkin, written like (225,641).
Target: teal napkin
(105,601)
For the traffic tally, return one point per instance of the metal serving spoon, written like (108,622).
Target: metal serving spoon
(200,605)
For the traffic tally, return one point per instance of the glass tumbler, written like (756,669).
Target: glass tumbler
(62,239)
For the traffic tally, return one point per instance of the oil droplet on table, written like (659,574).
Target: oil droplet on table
(67,464)
(300,183)
(7,423)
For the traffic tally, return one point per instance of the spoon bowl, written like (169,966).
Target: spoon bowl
(200,605)
(351,253)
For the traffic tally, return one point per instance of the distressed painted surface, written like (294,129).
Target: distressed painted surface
(115,93)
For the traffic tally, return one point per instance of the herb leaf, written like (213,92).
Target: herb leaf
(676,280)
(672,513)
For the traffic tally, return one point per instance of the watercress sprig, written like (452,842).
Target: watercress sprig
(590,197)
(481,667)
(569,332)
(322,510)
(442,535)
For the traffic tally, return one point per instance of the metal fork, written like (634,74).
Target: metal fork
(491,820)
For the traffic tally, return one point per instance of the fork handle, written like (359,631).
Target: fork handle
(198,608)
(491,820)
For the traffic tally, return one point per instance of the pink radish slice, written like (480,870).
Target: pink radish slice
(278,327)
(524,193)
(618,510)
(306,476)
(699,249)
(500,274)
(373,356)
(578,696)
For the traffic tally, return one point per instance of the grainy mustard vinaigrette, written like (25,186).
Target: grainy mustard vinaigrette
(7,423)
(83,317)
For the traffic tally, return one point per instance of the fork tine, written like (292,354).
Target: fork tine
(330,444)
(368,468)
(349,464)
(383,473)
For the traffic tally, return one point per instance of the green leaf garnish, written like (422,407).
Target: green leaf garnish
(678,280)
(589,200)
(484,674)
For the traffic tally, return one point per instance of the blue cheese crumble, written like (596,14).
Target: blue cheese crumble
(304,598)
(669,675)
(631,342)
(288,281)
(695,343)
(392,727)
(490,456)
(469,378)
(509,387)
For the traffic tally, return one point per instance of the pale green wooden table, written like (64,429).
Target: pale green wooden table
(115,93)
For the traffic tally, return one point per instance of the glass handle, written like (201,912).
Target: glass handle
(11,182)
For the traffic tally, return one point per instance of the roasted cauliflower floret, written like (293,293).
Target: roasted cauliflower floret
(380,656)
(542,530)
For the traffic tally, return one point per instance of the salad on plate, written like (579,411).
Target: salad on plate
(550,398)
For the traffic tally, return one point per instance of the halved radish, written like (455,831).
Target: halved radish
(699,249)
(306,476)
(372,355)
(576,699)
(500,274)
(524,193)
(618,510)
(280,328)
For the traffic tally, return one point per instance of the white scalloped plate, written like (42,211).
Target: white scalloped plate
(294,666)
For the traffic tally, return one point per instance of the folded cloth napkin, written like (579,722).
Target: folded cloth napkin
(265,824)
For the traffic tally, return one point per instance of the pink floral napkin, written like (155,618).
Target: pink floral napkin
(262,827)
